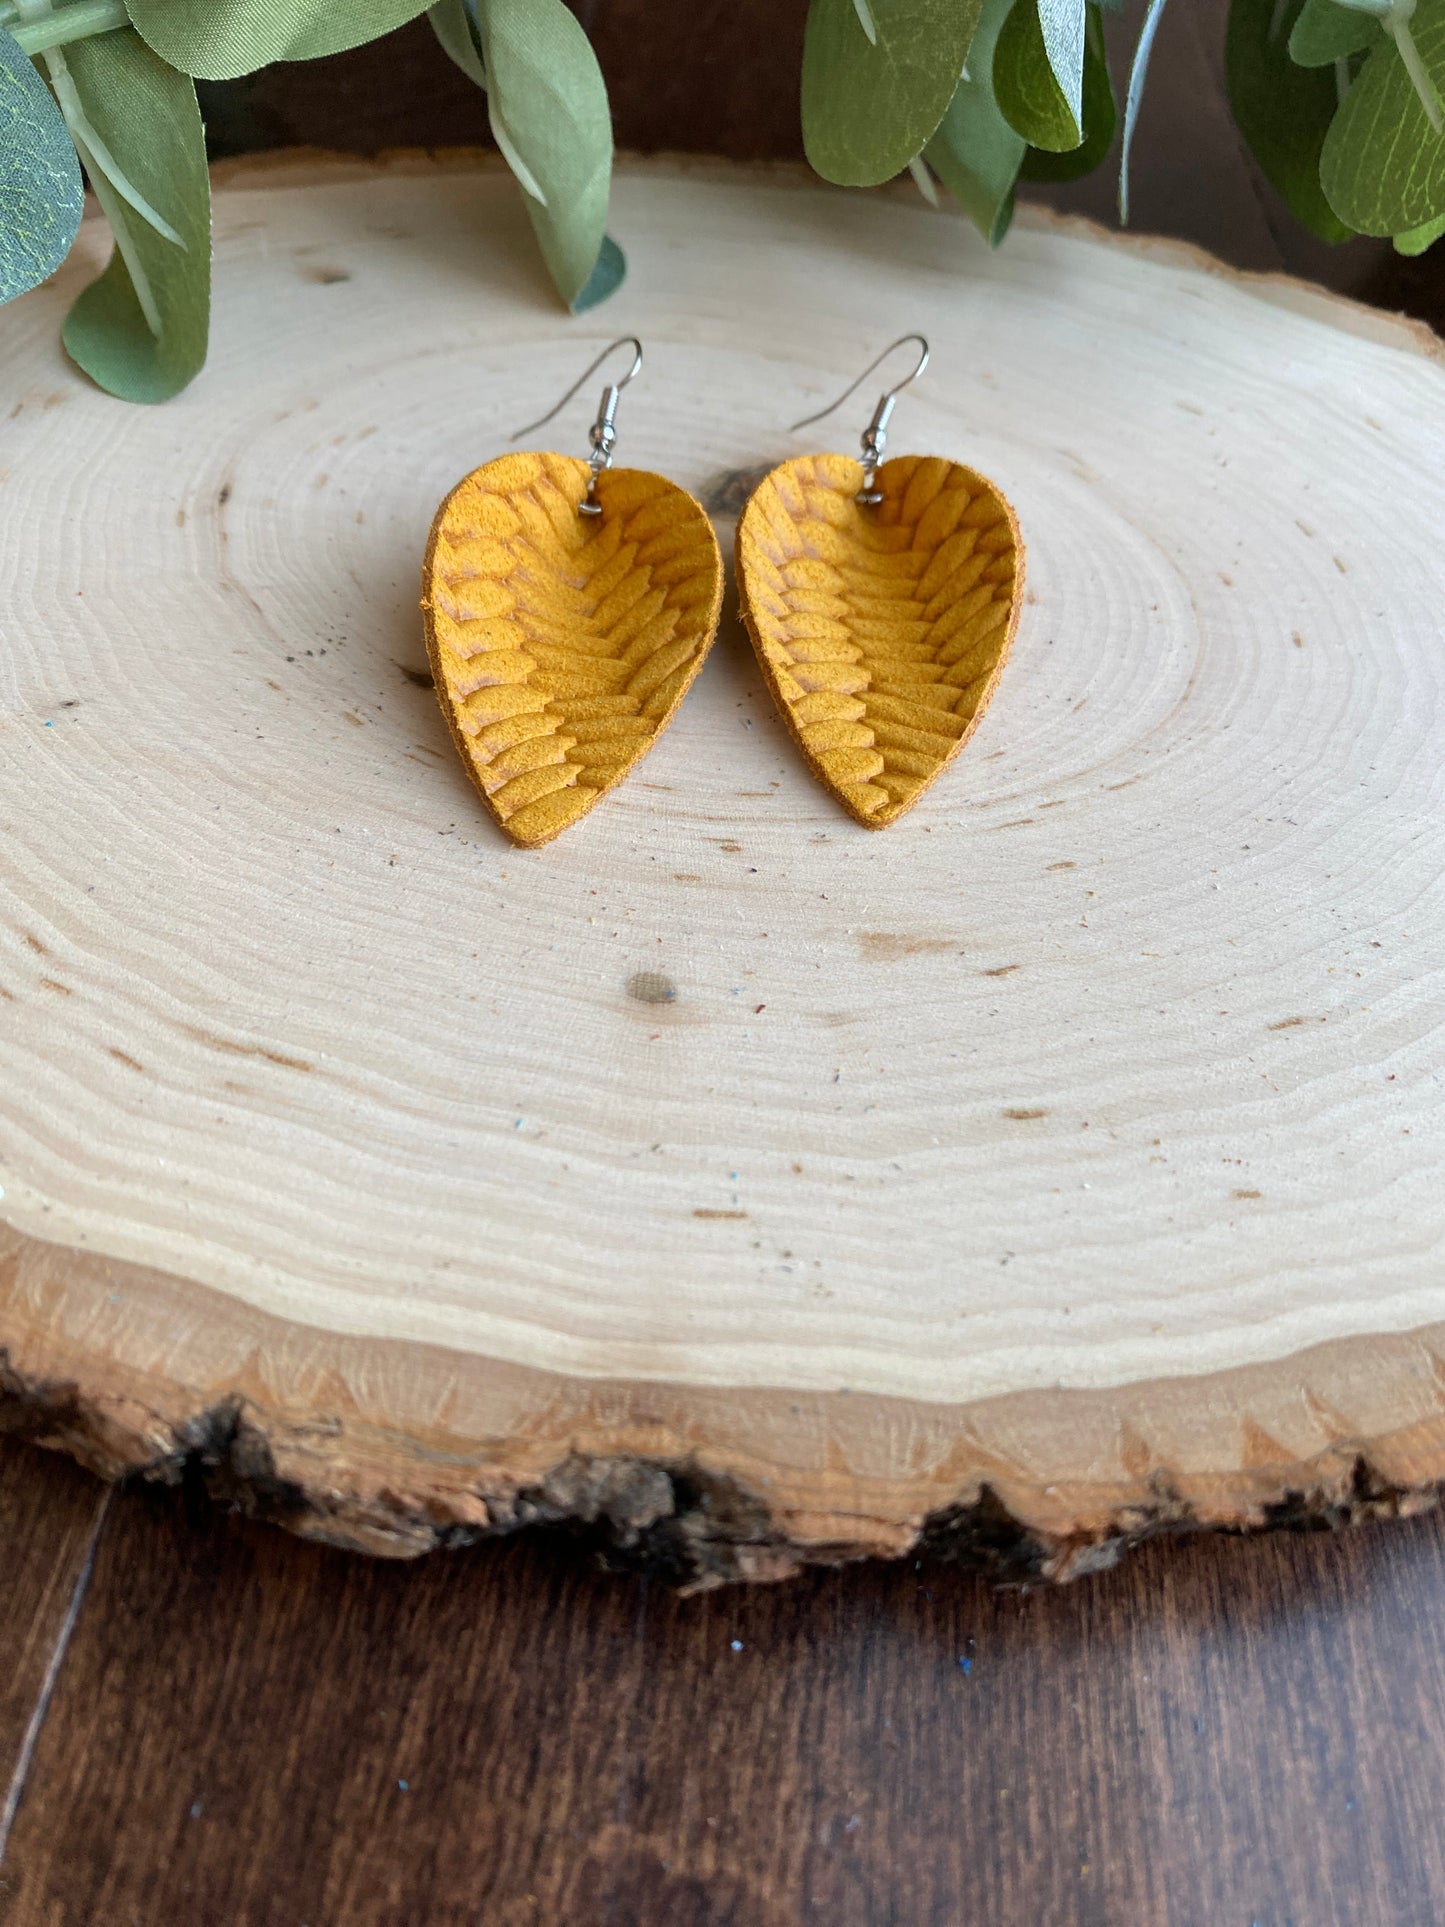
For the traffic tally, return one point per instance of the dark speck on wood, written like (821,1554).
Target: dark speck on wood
(885,946)
(651,987)
(727,492)
(248,1050)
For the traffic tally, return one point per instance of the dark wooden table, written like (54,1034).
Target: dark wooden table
(204,1721)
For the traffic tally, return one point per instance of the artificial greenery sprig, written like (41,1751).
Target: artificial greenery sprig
(1340,100)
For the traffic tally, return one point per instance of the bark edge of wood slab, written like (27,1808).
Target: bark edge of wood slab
(416,1187)
(694,1486)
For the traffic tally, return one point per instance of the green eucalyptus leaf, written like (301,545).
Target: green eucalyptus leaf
(975,153)
(221,39)
(870,105)
(146,114)
(1101,117)
(451,22)
(1283,110)
(550,117)
(1138,74)
(1383,164)
(1024,84)
(1326,32)
(1063,25)
(1420,238)
(41,194)
(605,279)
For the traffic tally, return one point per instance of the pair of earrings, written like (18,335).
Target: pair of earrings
(569,605)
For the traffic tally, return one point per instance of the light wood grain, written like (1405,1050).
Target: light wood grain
(1026,1147)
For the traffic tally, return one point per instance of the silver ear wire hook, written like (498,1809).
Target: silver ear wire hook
(602,436)
(875,435)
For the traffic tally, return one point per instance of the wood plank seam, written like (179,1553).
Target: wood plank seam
(15,1792)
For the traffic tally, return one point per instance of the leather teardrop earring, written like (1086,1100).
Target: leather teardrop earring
(568,607)
(882,599)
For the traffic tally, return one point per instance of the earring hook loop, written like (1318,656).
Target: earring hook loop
(602,436)
(875,435)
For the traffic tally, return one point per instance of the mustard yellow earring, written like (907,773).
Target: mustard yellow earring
(568,607)
(882,599)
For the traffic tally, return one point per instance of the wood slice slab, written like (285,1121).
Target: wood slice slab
(1063,1162)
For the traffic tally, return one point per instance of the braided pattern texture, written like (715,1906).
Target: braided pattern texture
(882,631)
(561,644)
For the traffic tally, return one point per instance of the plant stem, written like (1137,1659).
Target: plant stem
(501,134)
(76,22)
(93,150)
(1398,22)
(1138,72)
(111,204)
(113,208)
(923,180)
(866,21)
